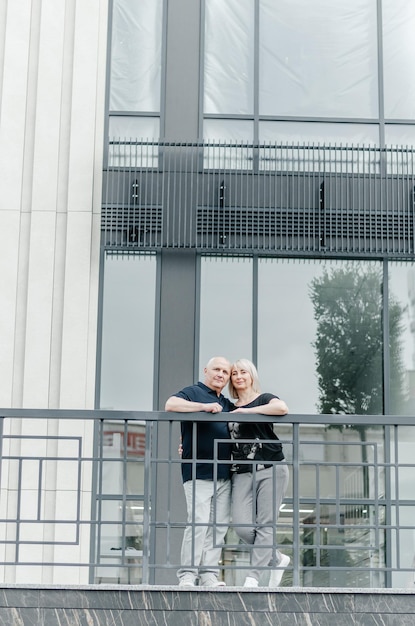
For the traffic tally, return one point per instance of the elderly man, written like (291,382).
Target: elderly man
(208,492)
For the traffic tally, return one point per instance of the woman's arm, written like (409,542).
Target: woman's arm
(274,407)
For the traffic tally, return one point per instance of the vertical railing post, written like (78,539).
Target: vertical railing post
(296,504)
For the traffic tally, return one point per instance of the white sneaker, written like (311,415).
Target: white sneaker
(250,582)
(187,580)
(210,580)
(276,574)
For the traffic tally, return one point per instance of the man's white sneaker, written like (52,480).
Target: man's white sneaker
(188,580)
(276,574)
(210,580)
(250,582)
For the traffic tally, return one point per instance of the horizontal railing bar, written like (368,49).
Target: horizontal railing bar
(264,145)
(332,568)
(167,416)
(304,255)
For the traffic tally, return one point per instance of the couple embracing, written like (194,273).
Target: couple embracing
(253,486)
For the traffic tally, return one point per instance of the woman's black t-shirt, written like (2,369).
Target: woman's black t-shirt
(258,448)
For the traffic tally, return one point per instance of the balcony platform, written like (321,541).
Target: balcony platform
(136,605)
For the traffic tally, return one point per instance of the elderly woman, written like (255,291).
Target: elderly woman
(258,488)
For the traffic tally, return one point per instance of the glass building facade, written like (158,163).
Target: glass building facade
(331,328)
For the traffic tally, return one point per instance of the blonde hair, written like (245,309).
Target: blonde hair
(248,366)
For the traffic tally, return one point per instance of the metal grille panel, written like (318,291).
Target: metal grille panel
(231,198)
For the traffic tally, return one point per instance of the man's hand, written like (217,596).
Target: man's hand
(212,407)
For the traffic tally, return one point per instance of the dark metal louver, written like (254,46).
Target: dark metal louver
(291,201)
(132,226)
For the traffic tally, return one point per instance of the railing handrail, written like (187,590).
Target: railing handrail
(169,416)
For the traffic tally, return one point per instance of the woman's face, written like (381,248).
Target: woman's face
(241,379)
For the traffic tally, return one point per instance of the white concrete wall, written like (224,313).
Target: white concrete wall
(52,112)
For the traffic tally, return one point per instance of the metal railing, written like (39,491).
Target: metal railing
(271,198)
(96,496)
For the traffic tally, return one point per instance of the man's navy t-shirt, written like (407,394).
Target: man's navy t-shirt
(206,434)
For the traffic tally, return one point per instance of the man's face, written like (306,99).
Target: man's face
(217,374)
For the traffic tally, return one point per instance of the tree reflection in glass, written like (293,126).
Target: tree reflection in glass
(348,306)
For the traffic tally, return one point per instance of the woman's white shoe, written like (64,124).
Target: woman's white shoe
(276,574)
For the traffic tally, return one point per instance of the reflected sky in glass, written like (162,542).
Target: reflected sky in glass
(318,58)
(225,308)
(286,329)
(136,55)
(128,332)
(398,17)
(402,290)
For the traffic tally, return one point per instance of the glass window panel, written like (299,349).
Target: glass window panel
(120,561)
(307,481)
(286,359)
(315,367)
(400,140)
(131,443)
(228,130)
(341,454)
(121,534)
(322,133)
(406,473)
(130,127)
(339,545)
(128,332)
(112,473)
(402,456)
(224,154)
(403,547)
(228,71)
(136,55)
(225,309)
(400,161)
(312,443)
(298,146)
(402,337)
(398,18)
(285,434)
(400,134)
(318,58)
(124,133)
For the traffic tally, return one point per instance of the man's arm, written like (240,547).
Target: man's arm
(180,405)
